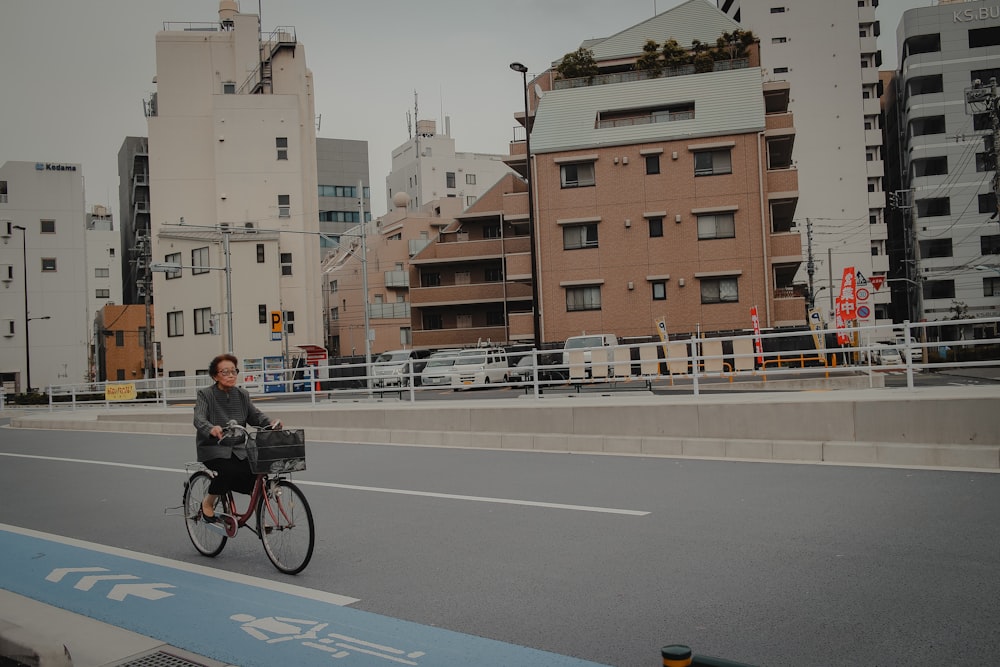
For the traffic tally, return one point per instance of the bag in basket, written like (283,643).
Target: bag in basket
(275,452)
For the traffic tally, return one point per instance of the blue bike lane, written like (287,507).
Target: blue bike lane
(235,619)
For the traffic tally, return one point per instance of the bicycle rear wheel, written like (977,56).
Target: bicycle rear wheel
(285,526)
(205,539)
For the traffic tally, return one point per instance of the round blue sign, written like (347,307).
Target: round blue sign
(864,311)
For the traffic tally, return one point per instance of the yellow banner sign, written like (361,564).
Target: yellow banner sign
(119,392)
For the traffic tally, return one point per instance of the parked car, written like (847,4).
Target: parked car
(393,369)
(886,355)
(438,371)
(481,366)
(523,370)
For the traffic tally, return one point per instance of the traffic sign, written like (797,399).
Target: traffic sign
(276,322)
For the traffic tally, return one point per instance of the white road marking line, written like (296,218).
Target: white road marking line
(352,487)
(280,587)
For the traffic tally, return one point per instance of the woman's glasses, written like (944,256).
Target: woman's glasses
(229,371)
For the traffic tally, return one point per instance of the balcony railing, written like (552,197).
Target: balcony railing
(397,278)
(389,310)
(642,75)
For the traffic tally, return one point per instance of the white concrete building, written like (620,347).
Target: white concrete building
(232,160)
(427,167)
(42,220)
(827,52)
(941,109)
(104,272)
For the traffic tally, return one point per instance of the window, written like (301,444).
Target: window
(984,37)
(577,175)
(260,253)
(920,127)
(720,290)
(495,318)
(228,87)
(449,178)
(780,70)
(470,179)
(710,163)
(927,208)
(493,275)
(262,314)
(202,321)
(340,216)
(469,200)
(659,290)
(991,286)
(175,324)
(333,286)
(984,162)
(286,263)
(281,146)
(781,10)
(939,289)
(430,279)
(3,192)
(922,44)
(47,226)
(931,166)
(779,40)
(289,320)
(433,321)
(491,231)
(101,273)
(716,226)
(655,226)
(48,264)
(583,298)
(102,294)
(8,328)
(119,338)
(579,236)
(925,85)
(173,258)
(199,261)
(989,245)
(988,203)
(653,164)
(935,248)
(630,117)
(335,314)
(284,206)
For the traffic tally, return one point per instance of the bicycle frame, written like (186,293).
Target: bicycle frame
(242,518)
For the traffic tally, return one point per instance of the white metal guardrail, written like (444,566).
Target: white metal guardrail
(690,363)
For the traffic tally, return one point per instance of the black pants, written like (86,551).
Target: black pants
(233,475)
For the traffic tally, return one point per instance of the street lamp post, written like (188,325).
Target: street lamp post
(535,305)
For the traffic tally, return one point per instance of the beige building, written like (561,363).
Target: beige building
(392,242)
(232,165)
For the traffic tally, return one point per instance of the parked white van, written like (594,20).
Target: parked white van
(577,350)
(481,366)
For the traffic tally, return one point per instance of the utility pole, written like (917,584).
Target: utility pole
(983,99)
(810,264)
(364,280)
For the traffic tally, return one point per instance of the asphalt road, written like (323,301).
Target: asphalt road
(605,558)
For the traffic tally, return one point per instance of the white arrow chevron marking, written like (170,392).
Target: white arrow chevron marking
(86,583)
(57,574)
(148,591)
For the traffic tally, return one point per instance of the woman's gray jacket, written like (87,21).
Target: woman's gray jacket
(214,406)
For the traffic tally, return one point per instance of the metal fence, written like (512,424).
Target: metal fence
(688,362)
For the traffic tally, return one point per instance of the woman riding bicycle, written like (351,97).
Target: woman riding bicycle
(216,405)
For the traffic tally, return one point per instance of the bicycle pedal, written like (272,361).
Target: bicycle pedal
(229,521)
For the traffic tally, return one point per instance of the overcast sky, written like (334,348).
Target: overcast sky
(75,72)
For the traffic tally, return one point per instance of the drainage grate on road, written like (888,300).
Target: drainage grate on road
(162,658)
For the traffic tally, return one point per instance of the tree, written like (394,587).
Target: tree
(735,44)
(650,60)
(576,64)
(674,55)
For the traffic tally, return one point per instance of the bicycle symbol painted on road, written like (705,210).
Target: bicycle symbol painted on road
(277,629)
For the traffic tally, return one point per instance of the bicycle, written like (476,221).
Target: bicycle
(284,521)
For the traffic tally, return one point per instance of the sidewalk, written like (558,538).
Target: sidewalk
(33,633)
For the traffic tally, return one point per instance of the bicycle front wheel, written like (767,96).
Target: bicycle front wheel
(205,539)
(285,526)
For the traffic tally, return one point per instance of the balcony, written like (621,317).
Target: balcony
(458,251)
(389,311)
(788,309)
(457,337)
(639,75)
(783,180)
(468,294)
(786,245)
(397,279)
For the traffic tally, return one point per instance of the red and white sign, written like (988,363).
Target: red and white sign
(847,302)
(756,335)
(862,295)
(877,281)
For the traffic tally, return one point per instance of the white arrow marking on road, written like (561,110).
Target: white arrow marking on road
(57,574)
(148,591)
(87,583)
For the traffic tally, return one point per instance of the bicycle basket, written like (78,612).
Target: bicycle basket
(275,452)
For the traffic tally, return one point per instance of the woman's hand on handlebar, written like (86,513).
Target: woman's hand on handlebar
(216,432)
(276,425)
